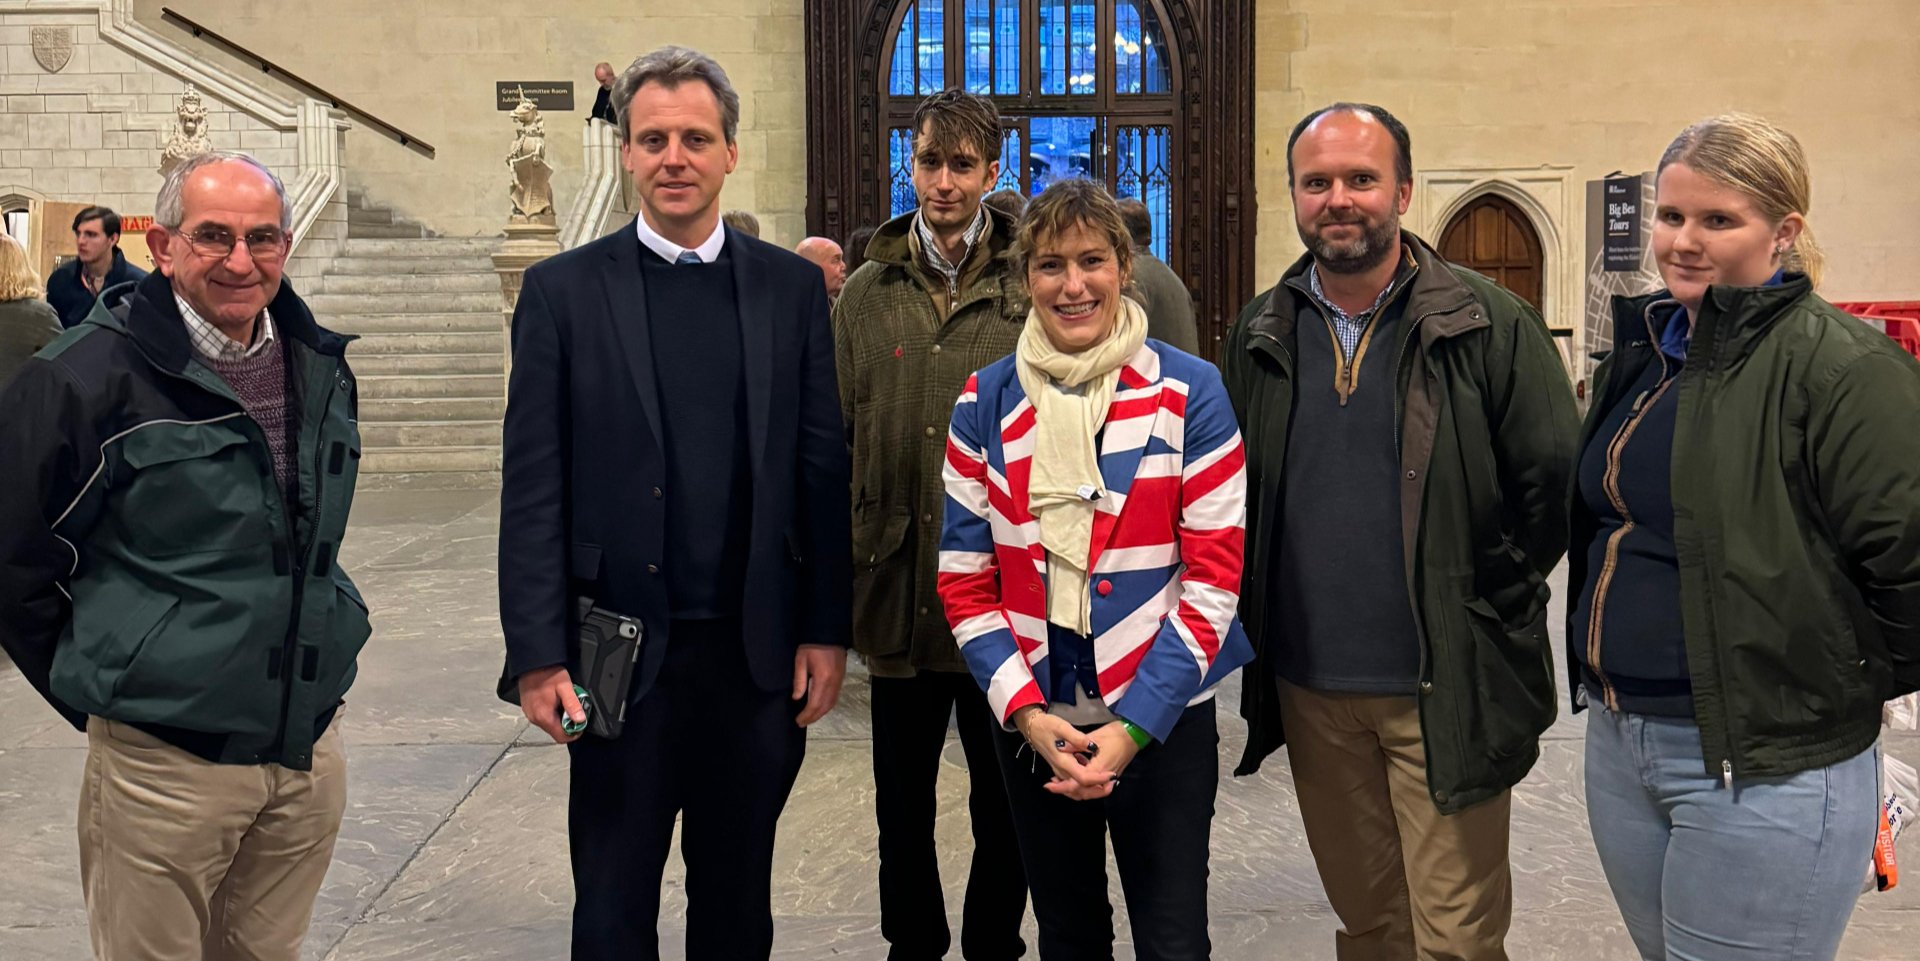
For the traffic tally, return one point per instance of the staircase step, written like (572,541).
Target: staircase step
(358,230)
(412,409)
(398,265)
(475,321)
(429,480)
(465,282)
(432,434)
(421,246)
(325,305)
(397,387)
(459,342)
(422,365)
(393,460)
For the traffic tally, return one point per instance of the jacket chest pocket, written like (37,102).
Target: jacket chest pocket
(191,488)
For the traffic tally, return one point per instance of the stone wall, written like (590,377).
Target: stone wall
(429,68)
(92,131)
(1603,85)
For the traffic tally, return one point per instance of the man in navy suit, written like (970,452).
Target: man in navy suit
(673,450)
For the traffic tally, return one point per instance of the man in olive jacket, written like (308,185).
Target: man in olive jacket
(1409,432)
(935,301)
(180,470)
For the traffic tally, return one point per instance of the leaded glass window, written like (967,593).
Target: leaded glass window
(1139,51)
(919,51)
(900,170)
(993,46)
(1142,172)
(1010,163)
(1086,88)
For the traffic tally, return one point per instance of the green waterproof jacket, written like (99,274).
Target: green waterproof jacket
(152,570)
(1486,438)
(904,344)
(1796,514)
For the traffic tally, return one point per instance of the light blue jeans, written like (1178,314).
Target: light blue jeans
(1768,869)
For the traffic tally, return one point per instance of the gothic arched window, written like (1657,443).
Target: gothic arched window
(1086,88)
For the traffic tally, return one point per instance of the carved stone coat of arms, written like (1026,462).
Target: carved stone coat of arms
(52,47)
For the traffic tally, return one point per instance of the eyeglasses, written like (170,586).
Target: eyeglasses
(267,245)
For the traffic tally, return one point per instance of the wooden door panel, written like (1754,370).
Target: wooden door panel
(1493,237)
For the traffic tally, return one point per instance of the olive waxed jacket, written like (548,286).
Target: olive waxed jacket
(1796,519)
(903,354)
(1486,441)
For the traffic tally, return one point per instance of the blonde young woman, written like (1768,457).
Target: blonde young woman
(1090,566)
(27,322)
(1747,554)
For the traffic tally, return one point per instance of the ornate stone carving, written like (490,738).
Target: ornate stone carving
(52,47)
(532,188)
(189,135)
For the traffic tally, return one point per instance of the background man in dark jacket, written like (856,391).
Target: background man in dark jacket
(99,264)
(672,452)
(1161,291)
(937,301)
(1410,436)
(181,470)
(603,97)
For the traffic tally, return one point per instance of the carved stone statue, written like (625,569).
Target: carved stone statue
(532,188)
(190,134)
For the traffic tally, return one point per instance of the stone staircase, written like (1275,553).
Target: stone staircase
(430,358)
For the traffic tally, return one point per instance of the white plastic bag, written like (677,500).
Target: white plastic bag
(1899,782)
(1902,713)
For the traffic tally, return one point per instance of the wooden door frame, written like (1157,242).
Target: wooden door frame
(847,47)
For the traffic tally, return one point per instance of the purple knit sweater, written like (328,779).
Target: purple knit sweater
(261,382)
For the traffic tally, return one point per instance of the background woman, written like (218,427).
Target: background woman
(1746,537)
(1090,566)
(27,322)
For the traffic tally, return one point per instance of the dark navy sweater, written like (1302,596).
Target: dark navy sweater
(694,320)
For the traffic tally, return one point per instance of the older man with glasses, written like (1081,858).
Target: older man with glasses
(181,469)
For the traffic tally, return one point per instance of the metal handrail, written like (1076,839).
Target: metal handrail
(313,89)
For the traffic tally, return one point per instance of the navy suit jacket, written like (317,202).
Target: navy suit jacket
(582,499)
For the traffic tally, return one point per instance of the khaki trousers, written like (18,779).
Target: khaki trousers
(1406,881)
(186,860)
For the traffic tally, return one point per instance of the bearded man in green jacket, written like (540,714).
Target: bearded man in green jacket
(935,301)
(1410,433)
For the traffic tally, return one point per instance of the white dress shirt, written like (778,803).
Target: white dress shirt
(670,251)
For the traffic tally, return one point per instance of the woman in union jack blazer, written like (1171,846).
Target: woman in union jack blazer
(1090,567)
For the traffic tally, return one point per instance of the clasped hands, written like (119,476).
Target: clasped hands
(1085,767)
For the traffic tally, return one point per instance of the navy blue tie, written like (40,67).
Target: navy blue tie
(688,257)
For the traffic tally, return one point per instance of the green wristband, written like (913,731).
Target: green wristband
(1140,738)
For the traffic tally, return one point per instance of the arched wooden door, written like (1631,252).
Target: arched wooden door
(1493,237)
(1084,90)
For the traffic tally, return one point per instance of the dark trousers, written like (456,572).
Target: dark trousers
(1160,817)
(708,745)
(909,731)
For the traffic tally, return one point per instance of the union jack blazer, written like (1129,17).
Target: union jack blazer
(1168,536)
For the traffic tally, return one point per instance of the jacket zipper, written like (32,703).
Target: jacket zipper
(289,647)
(1610,482)
(1399,411)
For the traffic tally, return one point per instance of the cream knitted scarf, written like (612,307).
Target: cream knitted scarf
(1070,395)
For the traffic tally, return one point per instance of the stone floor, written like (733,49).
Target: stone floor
(454,841)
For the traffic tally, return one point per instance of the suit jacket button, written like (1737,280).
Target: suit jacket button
(1105,588)
(931,432)
(653,568)
(657,493)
